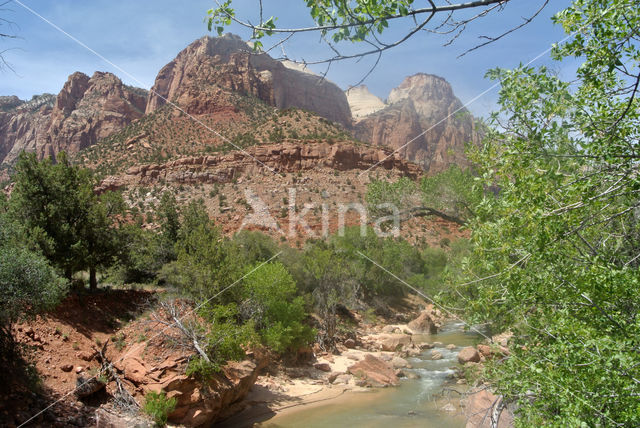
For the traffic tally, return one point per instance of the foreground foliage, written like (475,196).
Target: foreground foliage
(555,256)
(28,286)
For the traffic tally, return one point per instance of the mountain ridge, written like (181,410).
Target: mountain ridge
(232,90)
(85,110)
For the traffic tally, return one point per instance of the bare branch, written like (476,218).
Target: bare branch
(494,39)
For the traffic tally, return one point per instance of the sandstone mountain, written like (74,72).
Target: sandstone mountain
(21,122)
(85,111)
(200,77)
(233,98)
(423,112)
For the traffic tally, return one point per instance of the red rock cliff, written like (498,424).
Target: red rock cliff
(196,76)
(85,110)
(423,105)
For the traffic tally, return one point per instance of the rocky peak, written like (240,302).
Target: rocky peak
(9,102)
(431,95)
(84,111)
(202,77)
(363,102)
(72,92)
(43,102)
(424,120)
(297,66)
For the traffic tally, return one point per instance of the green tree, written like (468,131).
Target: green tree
(328,279)
(72,226)
(555,256)
(28,285)
(225,338)
(100,245)
(145,252)
(453,191)
(169,217)
(450,195)
(254,246)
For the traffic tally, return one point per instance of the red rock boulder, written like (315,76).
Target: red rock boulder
(468,355)
(374,372)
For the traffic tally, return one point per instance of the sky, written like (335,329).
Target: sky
(134,39)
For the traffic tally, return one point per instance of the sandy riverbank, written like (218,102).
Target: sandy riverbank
(265,408)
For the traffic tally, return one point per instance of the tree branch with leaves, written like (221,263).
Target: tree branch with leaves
(365,22)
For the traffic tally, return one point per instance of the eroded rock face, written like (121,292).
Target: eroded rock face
(197,404)
(362,102)
(23,125)
(202,76)
(424,117)
(196,407)
(286,157)
(85,110)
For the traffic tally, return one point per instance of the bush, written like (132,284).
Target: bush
(227,337)
(252,246)
(396,255)
(158,406)
(144,254)
(201,369)
(28,284)
(205,264)
(270,300)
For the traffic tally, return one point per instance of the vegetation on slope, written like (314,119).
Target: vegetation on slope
(169,133)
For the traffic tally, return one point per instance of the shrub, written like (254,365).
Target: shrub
(28,283)
(204,262)
(199,368)
(144,254)
(271,302)
(226,338)
(253,246)
(158,406)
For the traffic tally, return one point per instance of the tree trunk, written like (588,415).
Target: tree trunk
(93,281)
(68,273)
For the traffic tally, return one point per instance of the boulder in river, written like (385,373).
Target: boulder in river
(392,341)
(374,372)
(424,323)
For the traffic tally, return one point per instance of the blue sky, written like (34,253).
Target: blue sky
(141,36)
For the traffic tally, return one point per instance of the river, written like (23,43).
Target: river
(415,403)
